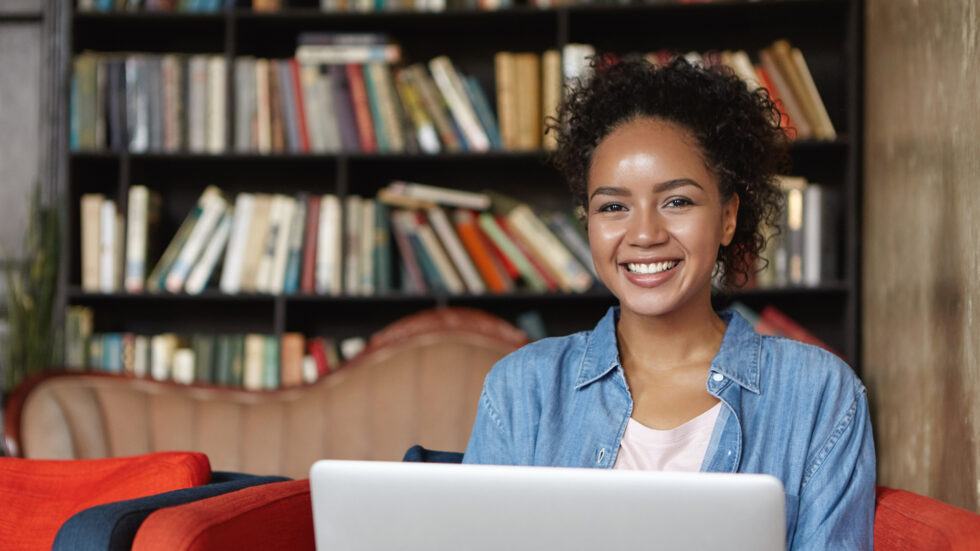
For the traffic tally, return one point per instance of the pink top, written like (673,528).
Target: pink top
(677,449)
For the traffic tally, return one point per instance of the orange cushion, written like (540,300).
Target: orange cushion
(905,521)
(39,495)
(271,516)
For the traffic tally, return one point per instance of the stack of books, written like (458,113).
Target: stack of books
(189,6)
(252,361)
(411,238)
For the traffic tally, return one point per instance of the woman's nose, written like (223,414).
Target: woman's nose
(646,229)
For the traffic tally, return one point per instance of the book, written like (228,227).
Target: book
(821,225)
(527,88)
(294,254)
(551,88)
(91,240)
(231,274)
(445,196)
(310,245)
(302,122)
(271,367)
(253,371)
(107,246)
(255,242)
(406,252)
(477,98)
(353,213)
(505,71)
(342,54)
(286,223)
(365,243)
(372,85)
(269,242)
(492,273)
(563,227)
(426,135)
(293,345)
(510,250)
(382,249)
(155,281)
(215,107)
(262,139)
(162,349)
(343,108)
(361,108)
(204,348)
(434,105)
(329,268)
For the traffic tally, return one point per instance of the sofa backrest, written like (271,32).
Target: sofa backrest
(417,382)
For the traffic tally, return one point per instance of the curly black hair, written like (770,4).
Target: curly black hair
(738,131)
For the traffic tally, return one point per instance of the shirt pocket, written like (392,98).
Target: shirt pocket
(792,509)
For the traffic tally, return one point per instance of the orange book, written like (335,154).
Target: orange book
(292,359)
(509,268)
(549,280)
(362,111)
(304,136)
(491,271)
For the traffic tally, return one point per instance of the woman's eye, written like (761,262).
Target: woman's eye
(611,207)
(679,202)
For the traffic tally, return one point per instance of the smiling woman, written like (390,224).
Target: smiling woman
(674,168)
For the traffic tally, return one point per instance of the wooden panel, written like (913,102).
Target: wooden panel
(921,264)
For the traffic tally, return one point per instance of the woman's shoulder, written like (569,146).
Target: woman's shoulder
(546,360)
(807,366)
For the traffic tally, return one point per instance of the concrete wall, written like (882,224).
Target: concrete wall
(922,244)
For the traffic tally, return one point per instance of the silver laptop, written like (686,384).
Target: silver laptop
(371,505)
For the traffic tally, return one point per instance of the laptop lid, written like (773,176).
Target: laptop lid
(370,505)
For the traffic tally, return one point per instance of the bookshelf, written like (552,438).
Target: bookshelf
(828,31)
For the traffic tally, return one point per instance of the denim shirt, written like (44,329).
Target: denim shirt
(790,410)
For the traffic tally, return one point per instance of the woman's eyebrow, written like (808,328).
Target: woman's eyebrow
(674,184)
(610,190)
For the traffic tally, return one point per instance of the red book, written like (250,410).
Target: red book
(469,233)
(766,80)
(549,280)
(304,136)
(307,282)
(772,317)
(362,110)
(317,349)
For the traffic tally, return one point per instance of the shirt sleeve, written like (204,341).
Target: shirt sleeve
(489,442)
(836,506)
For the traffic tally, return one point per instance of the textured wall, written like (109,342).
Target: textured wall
(922,244)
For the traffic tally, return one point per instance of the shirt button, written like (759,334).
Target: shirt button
(717,377)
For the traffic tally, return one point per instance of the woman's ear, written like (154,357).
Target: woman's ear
(729,219)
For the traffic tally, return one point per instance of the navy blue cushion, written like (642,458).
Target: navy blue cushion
(113,526)
(421,455)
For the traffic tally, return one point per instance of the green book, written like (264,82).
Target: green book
(222,359)
(237,346)
(489,225)
(204,358)
(382,249)
(270,363)
(374,102)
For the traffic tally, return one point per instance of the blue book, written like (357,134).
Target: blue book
(270,363)
(379,129)
(483,112)
(294,257)
(429,271)
(112,353)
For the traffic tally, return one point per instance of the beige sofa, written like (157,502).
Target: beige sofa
(417,382)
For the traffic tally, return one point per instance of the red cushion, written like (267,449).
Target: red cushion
(910,522)
(39,495)
(271,516)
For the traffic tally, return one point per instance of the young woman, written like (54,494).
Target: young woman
(675,168)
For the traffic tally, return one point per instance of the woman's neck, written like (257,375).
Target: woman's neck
(683,337)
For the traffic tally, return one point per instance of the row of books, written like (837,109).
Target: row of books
(782,70)
(253,361)
(806,249)
(363,6)
(411,238)
(189,6)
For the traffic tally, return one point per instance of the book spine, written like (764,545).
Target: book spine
(139,202)
(493,275)
(404,246)
(266,261)
(371,86)
(231,274)
(382,249)
(263,107)
(107,244)
(271,368)
(551,86)
(287,218)
(366,244)
(304,134)
(353,213)
(329,243)
(258,230)
(342,54)
(252,367)
(281,85)
(362,109)
(426,135)
(91,222)
(217,86)
(483,112)
(446,196)
(244,103)
(213,208)
(313,102)
(435,106)
(295,247)
(343,108)
(292,359)
(551,250)
(310,245)
(438,257)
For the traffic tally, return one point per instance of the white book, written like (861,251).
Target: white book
(118,251)
(352,244)
(453,92)
(367,247)
(136,230)
(252,370)
(214,206)
(823,123)
(161,355)
(217,85)
(310,373)
(446,196)
(344,54)
(183,366)
(263,115)
(575,62)
(231,274)
(141,355)
(202,271)
(244,103)
(107,244)
(440,223)
(281,256)
(91,222)
(442,263)
(197,103)
(266,263)
(328,246)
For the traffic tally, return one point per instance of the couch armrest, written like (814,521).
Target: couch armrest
(113,526)
(905,521)
(271,516)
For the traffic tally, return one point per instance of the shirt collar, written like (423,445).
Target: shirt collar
(737,359)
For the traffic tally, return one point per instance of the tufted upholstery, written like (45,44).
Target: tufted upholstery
(418,381)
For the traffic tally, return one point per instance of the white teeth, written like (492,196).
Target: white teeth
(654,268)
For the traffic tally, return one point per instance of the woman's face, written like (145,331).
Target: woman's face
(655,217)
